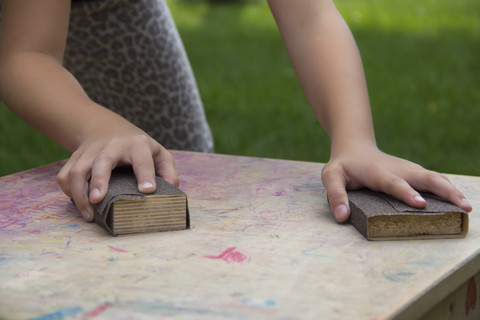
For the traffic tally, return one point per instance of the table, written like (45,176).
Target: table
(263,245)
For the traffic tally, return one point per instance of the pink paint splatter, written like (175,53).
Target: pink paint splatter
(117,249)
(97,311)
(230,256)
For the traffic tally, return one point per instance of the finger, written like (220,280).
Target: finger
(63,175)
(144,169)
(399,188)
(101,171)
(62,179)
(165,166)
(441,186)
(78,176)
(335,184)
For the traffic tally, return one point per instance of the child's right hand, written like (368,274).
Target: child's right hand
(32,42)
(103,151)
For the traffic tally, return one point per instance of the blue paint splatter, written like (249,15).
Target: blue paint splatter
(310,186)
(175,311)
(431,264)
(60,314)
(260,303)
(399,275)
(317,252)
(73,226)
(270,303)
(68,243)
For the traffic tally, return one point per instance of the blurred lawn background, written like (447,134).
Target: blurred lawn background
(421,60)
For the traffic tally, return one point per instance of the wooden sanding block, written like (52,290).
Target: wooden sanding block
(126,210)
(378,216)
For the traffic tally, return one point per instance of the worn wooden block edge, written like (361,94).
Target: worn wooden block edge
(123,186)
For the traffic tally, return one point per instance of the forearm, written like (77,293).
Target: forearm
(35,85)
(39,90)
(328,65)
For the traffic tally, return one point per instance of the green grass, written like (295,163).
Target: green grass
(22,148)
(421,62)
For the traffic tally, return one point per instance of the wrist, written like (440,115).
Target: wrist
(102,123)
(347,144)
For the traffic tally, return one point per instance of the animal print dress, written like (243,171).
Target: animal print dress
(128,56)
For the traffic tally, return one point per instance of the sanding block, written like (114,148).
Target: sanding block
(378,216)
(125,210)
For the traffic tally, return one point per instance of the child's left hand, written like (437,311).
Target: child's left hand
(364,165)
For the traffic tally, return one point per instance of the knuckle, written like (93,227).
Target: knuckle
(432,177)
(76,154)
(105,157)
(330,170)
(335,195)
(76,172)
(392,183)
(141,139)
(169,156)
(98,182)
(165,156)
(63,183)
(175,181)
(415,166)
(444,177)
(62,178)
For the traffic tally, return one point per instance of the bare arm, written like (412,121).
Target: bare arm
(327,62)
(36,87)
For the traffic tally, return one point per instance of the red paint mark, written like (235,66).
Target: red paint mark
(471,297)
(117,249)
(33,231)
(95,312)
(229,256)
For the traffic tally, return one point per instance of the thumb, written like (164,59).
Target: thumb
(335,184)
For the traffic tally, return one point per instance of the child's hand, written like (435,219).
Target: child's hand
(363,165)
(98,155)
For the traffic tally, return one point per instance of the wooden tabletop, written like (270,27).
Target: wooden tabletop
(263,245)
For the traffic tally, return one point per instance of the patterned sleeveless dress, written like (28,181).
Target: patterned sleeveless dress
(128,56)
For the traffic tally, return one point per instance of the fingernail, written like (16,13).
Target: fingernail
(466,204)
(419,198)
(95,193)
(146,185)
(88,214)
(340,212)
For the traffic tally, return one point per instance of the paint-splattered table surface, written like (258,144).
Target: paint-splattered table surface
(263,245)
